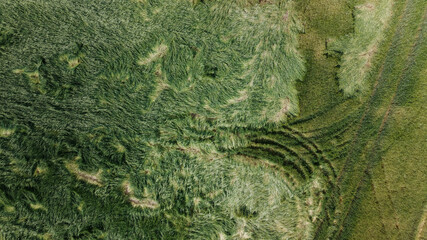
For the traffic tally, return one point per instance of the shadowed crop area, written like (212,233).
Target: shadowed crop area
(213,119)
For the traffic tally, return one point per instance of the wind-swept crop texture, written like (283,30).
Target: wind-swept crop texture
(117,119)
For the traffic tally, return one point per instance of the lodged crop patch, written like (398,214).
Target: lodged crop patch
(118,119)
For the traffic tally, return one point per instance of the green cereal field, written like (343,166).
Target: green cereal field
(213,119)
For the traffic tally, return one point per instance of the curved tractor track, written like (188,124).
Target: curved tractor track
(301,160)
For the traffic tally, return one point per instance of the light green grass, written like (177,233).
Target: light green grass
(359,48)
(399,177)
